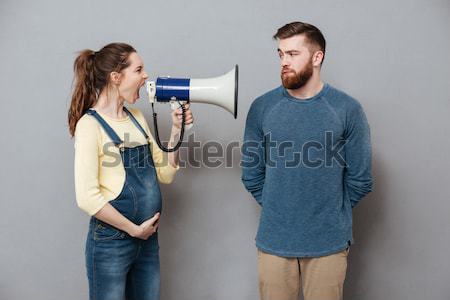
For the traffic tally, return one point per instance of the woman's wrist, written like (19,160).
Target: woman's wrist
(175,130)
(133,230)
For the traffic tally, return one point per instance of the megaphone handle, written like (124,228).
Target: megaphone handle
(175,105)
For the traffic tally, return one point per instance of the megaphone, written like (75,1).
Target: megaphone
(220,91)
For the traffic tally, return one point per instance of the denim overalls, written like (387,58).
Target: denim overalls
(118,265)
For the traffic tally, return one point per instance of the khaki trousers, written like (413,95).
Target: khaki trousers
(320,278)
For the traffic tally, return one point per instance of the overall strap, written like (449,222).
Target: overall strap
(109,131)
(136,122)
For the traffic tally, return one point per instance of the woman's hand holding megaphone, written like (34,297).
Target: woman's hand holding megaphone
(177,117)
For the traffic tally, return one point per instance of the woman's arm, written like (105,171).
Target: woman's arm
(167,165)
(174,157)
(110,215)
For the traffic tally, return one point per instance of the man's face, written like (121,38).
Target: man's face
(296,61)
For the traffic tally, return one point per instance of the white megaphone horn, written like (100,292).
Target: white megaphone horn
(221,91)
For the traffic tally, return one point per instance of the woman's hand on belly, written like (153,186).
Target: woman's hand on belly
(147,228)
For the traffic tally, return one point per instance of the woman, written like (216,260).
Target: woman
(117,169)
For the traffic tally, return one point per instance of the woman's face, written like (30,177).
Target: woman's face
(132,79)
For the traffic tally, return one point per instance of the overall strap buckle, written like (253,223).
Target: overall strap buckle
(121,146)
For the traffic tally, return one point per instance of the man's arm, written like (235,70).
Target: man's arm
(358,156)
(253,163)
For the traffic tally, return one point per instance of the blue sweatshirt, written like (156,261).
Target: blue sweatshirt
(307,162)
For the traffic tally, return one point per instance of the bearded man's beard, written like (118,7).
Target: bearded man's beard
(293,80)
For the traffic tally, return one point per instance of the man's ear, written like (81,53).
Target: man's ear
(115,77)
(317,58)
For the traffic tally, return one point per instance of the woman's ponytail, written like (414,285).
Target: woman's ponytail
(84,92)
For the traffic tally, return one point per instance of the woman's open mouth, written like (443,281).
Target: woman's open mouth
(139,90)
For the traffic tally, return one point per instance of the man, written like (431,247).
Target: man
(307,162)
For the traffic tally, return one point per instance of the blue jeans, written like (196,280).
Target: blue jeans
(121,267)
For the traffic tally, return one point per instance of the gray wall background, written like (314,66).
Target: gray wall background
(391,55)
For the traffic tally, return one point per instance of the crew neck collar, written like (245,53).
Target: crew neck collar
(306,100)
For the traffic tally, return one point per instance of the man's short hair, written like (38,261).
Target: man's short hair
(312,34)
